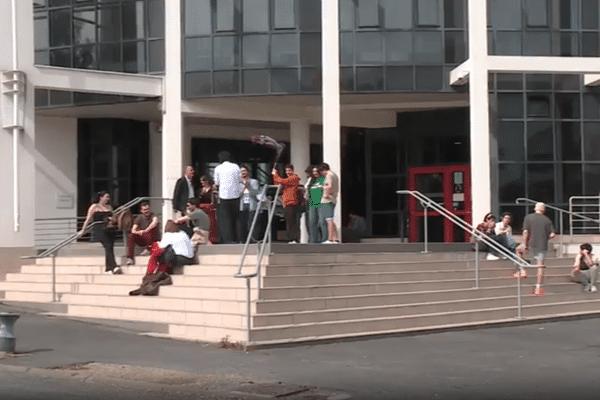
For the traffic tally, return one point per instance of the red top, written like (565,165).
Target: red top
(290,188)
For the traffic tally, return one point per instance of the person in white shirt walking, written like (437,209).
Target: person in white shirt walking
(228,181)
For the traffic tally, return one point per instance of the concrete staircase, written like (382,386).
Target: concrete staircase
(308,293)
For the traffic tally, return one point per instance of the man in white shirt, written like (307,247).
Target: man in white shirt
(228,180)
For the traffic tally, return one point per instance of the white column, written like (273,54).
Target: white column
(331,93)
(172,125)
(300,159)
(155,162)
(479,110)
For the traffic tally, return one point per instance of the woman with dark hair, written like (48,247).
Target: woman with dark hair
(206,196)
(104,232)
(488,227)
(585,268)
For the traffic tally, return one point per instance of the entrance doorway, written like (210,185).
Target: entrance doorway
(450,187)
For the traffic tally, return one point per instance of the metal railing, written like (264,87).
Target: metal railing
(426,202)
(264,245)
(583,207)
(53,250)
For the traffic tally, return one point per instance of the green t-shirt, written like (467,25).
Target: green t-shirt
(316,192)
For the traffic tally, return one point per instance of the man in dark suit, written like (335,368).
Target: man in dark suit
(184,190)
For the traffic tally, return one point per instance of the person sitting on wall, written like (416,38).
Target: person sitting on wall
(503,228)
(144,232)
(488,227)
(585,268)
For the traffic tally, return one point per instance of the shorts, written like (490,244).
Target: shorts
(538,255)
(327,210)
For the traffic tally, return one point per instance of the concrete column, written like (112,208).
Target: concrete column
(300,158)
(479,110)
(172,125)
(155,162)
(331,94)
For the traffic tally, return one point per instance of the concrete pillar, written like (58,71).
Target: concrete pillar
(331,94)
(155,162)
(300,159)
(479,111)
(172,125)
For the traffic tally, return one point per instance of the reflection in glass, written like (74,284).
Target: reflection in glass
(60,28)
(226,82)
(510,105)
(308,43)
(285,14)
(134,57)
(540,142)
(428,48)
(156,55)
(538,105)
(369,48)
(591,141)
(509,81)
(84,57)
(255,50)
(109,58)
(538,81)
(59,97)
(60,58)
(255,15)
(568,14)
(428,13)
(569,43)
(133,20)
(225,15)
(591,174)
(397,14)
(454,13)
(536,13)
(198,84)
(369,78)
(511,182)
(510,141)
(311,80)
(109,23)
(368,13)
(505,14)
(225,52)
(591,105)
(567,82)
(589,44)
(398,47)
(569,139)
(399,78)
(41,33)
(507,43)
(284,80)
(284,50)
(537,44)
(84,27)
(347,79)
(455,47)
(198,54)
(310,15)
(197,17)
(567,106)
(429,78)
(255,81)
(347,48)
(589,14)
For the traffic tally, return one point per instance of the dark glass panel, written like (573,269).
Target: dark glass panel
(368,13)
(85,57)
(41,97)
(198,84)
(567,82)
(429,78)
(507,43)
(347,48)
(589,44)
(284,50)
(255,15)
(510,105)
(541,182)
(134,57)
(538,81)
(399,78)
(454,13)
(398,47)
(156,56)
(569,139)
(255,50)
(84,27)
(255,81)
(369,48)
(226,82)
(572,181)
(308,55)
(568,43)
(310,15)
(568,14)
(60,28)
(591,106)
(225,15)
(510,141)
(58,3)
(509,81)
(540,143)
(109,58)
(384,155)
(591,141)
(538,105)
(455,47)
(59,97)
(567,106)
(134,20)
(60,58)
(42,58)
(42,40)
(511,182)
(226,51)
(198,54)
(311,80)
(347,79)
(284,80)
(346,15)
(369,79)
(197,17)
(536,13)
(591,174)
(285,14)
(537,44)
(396,14)
(505,14)
(109,23)
(385,224)
(384,193)
(589,14)
(428,13)
(428,48)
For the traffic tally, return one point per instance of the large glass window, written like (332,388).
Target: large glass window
(226,15)
(428,13)
(109,23)
(198,19)
(368,13)
(397,14)
(255,50)
(284,50)
(255,16)
(134,20)
(285,14)
(225,52)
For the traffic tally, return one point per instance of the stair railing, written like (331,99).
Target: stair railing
(52,251)
(594,204)
(264,246)
(479,236)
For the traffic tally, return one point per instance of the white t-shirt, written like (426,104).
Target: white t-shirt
(500,228)
(229,180)
(180,242)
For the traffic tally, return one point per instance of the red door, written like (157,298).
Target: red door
(450,187)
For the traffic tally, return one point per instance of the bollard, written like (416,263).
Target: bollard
(7,337)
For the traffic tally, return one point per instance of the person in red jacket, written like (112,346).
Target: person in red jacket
(291,201)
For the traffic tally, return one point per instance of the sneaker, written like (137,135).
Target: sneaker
(109,272)
(593,289)
(117,270)
(327,242)
(145,252)
(293,242)
(522,273)
(538,291)
(130,261)
(490,256)
(587,288)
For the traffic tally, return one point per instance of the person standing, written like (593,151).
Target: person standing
(537,230)
(184,190)
(291,201)
(228,181)
(315,193)
(144,232)
(585,268)
(328,200)
(248,203)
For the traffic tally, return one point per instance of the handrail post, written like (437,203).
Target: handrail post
(54,300)
(476,263)
(425,226)
(519,300)
(248,309)
(562,236)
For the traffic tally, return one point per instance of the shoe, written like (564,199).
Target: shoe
(490,256)
(522,273)
(293,242)
(130,261)
(117,271)
(587,288)
(109,272)
(593,289)
(328,242)
(538,291)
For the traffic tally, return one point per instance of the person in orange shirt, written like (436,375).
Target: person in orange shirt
(291,201)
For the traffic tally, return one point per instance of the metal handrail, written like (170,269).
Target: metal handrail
(480,236)
(583,217)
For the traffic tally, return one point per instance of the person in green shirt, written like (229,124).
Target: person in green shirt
(315,192)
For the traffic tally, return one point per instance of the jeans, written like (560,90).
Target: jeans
(314,232)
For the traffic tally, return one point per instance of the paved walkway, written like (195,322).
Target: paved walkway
(545,361)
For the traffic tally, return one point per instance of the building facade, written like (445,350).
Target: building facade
(119,95)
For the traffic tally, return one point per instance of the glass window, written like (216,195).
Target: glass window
(369,48)
(284,80)
(538,105)
(41,97)
(198,54)
(384,189)
(455,47)
(568,43)
(591,106)
(347,48)
(591,174)
(428,48)
(397,14)
(571,181)
(510,141)
(536,12)
(538,81)
(84,27)
(368,13)
(255,15)
(284,50)
(42,57)
(41,33)
(567,82)
(59,97)
(156,18)
(428,12)
(567,106)
(347,79)
(255,50)
(311,80)
(454,13)
(509,81)
(398,47)
(85,57)
(109,23)
(568,14)
(540,143)
(510,105)
(197,17)
(589,14)
(505,14)
(399,78)
(226,52)
(109,58)
(346,15)
(589,44)
(541,182)
(507,43)
(591,141)
(60,28)
(255,81)
(285,14)
(369,79)
(309,15)
(511,182)
(156,56)
(60,58)
(133,20)
(310,49)
(537,44)
(134,57)
(198,84)
(429,78)
(226,82)
(569,141)
(225,15)
(58,3)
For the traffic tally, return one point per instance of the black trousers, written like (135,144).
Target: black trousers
(292,223)
(228,212)
(106,236)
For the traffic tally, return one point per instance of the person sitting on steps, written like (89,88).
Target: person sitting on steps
(585,268)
